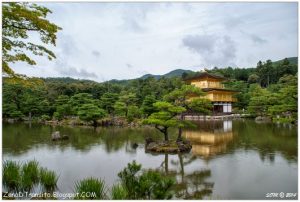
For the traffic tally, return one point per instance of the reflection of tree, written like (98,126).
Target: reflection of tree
(210,138)
(267,139)
(267,153)
(19,138)
(200,188)
(166,163)
(192,185)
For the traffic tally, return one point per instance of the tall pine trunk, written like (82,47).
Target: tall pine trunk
(95,123)
(166,135)
(179,137)
(166,163)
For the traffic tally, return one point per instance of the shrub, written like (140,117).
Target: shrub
(48,179)
(129,179)
(144,185)
(45,117)
(90,188)
(153,185)
(118,192)
(11,175)
(57,116)
(29,175)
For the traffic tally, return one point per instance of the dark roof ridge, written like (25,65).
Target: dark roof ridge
(220,89)
(203,74)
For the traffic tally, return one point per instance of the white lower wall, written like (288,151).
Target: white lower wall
(227,107)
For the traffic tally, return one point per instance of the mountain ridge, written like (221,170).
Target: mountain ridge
(173,73)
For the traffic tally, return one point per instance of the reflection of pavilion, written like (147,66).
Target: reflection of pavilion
(210,138)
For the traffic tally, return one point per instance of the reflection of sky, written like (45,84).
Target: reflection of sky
(240,174)
(243,175)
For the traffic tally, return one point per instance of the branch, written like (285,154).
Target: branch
(160,129)
(17,27)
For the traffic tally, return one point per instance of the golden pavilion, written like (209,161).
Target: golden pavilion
(221,98)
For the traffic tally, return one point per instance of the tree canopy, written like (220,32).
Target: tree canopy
(165,117)
(61,98)
(19,20)
(90,112)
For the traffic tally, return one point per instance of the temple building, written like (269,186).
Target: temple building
(221,98)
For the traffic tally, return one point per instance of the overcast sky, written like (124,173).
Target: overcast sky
(103,41)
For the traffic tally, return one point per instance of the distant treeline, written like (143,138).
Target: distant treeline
(270,89)
(265,73)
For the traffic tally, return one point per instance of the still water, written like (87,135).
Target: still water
(237,159)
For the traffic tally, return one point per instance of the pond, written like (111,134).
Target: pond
(237,159)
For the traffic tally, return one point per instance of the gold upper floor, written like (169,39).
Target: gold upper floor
(208,84)
(213,86)
(217,96)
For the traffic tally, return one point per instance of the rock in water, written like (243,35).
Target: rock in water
(134,145)
(65,137)
(149,140)
(152,146)
(184,146)
(56,136)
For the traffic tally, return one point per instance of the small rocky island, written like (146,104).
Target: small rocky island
(183,146)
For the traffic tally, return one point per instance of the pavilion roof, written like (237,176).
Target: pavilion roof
(206,75)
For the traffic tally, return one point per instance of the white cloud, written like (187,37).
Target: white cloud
(105,41)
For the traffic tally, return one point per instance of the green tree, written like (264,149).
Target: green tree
(128,99)
(90,112)
(253,78)
(120,108)
(133,112)
(18,20)
(11,110)
(108,100)
(285,67)
(165,117)
(265,72)
(242,94)
(287,98)
(77,100)
(200,105)
(147,106)
(63,107)
(21,98)
(260,101)
(11,100)
(34,102)
(182,97)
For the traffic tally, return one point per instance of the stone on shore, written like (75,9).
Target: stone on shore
(262,119)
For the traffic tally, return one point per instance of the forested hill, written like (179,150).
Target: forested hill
(174,73)
(182,72)
(67,80)
(292,60)
(228,72)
